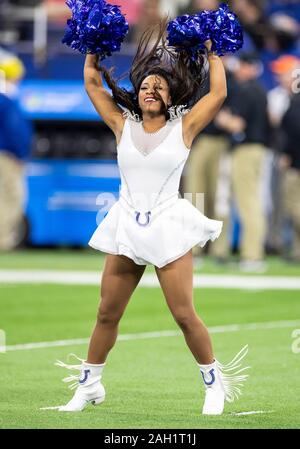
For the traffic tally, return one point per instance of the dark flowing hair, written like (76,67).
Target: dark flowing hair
(184,75)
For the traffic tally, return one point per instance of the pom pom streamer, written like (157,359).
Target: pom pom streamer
(222,27)
(95,27)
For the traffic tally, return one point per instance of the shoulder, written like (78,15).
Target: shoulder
(180,121)
(292,113)
(11,112)
(176,126)
(295,101)
(130,123)
(6,102)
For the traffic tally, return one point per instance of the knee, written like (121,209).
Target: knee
(109,317)
(185,319)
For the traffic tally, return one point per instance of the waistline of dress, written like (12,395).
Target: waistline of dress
(146,218)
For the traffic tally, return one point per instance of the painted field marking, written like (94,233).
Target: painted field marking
(50,408)
(257,283)
(258,412)
(2,341)
(158,334)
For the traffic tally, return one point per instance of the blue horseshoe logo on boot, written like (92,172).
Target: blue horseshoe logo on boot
(86,375)
(211,372)
(147,214)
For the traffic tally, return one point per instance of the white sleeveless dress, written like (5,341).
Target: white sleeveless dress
(150,223)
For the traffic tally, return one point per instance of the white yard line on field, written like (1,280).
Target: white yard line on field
(159,334)
(57,407)
(255,283)
(258,412)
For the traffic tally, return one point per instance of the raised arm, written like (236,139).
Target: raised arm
(103,102)
(203,112)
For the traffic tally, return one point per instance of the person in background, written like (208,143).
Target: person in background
(172,8)
(207,170)
(282,35)
(15,145)
(247,121)
(57,11)
(132,9)
(208,174)
(251,13)
(289,163)
(279,100)
(194,6)
(290,7)
(150,14)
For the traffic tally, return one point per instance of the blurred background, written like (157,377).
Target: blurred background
(58,169)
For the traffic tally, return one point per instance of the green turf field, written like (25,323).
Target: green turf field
(150,382)
(89,259)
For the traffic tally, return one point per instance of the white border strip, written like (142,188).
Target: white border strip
(258,412)
(159,334)
(150,280)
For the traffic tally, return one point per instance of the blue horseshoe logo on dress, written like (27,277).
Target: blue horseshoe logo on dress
(211,372)
(147,215)
(86,374)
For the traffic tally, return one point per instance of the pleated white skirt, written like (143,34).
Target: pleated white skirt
(170,235)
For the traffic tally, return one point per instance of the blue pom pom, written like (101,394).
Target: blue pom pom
(186,32)
(190,32)
(226,32)
(95,27)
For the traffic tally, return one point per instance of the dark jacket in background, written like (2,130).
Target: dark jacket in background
(291,130)
(249,102)
(212,129)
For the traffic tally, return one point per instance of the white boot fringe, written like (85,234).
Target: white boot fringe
(232,380)
(73,377)
(89,389)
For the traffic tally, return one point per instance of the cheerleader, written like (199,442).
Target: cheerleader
(150,224)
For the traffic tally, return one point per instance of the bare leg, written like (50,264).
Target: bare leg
(119,280)
(176,280)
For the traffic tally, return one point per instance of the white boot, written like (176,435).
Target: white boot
(221,383)
(89,387)
(214,391)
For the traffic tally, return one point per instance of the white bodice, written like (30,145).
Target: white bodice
(147,142)
(151,165)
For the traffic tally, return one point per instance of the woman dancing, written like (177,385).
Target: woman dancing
(150,224)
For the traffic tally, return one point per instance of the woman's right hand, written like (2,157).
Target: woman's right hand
(208,45)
